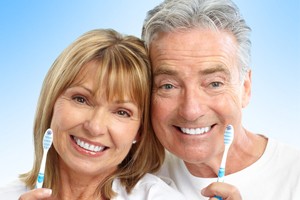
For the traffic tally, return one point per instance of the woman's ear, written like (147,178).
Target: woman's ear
(246,89)
(137,137)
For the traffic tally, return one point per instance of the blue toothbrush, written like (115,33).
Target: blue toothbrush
(47,142)
(228,138)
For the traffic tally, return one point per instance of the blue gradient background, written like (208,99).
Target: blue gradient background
(33,33)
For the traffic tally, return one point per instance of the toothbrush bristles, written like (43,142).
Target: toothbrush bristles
(48,138)
(228,135)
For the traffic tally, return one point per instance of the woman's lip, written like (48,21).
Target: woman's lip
(86,152)
(87,141)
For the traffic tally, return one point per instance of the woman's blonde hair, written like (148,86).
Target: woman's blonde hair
(124,68)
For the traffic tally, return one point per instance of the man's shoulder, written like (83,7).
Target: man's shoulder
(283,156)
(283,149)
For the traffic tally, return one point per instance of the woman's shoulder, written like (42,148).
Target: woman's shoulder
(12,190)
(149,187)
(150,180)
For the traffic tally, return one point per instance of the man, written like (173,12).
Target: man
(200,54)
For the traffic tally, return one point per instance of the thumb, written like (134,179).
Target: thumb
(35,194)
(224,190)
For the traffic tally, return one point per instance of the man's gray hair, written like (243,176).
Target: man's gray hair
(219,15)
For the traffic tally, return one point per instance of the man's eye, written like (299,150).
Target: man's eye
(80,99)
(216,84)
(167,86)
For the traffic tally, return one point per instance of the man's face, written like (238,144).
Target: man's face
(197,92)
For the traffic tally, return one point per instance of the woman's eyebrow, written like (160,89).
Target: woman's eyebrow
(82,87)
(124,102)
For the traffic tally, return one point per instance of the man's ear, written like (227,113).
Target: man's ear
(246,89)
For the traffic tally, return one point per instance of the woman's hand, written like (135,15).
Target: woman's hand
(224,190)
(36,194)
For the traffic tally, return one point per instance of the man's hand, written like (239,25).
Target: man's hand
(224,190)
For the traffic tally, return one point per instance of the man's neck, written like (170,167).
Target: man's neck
(246,149)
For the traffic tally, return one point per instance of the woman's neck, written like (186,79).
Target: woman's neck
(75,185)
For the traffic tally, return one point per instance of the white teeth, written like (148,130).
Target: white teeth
(92,148)
(195,131)
(88,146)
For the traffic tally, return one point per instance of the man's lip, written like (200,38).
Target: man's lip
(195,130)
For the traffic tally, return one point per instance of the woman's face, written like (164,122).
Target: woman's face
(91,135)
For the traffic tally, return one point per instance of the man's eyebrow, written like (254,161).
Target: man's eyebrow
(215,69)
(164,71)
(211,70)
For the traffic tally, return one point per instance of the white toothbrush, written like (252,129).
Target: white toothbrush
(228,138)
(47,142)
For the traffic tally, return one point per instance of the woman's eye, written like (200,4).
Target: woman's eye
(123,113)
(80,99)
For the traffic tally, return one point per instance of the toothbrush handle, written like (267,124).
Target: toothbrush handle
(40,178)
(221,175)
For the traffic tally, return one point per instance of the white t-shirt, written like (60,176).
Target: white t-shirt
(150,187)
(276,175)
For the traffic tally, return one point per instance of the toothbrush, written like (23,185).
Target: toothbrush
(228,138)
(47,142)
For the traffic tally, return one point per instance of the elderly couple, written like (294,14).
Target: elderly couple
(101,95)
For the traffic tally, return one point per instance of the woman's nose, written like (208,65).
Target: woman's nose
(96,122)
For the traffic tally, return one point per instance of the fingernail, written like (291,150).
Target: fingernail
(47,191)
(203,191)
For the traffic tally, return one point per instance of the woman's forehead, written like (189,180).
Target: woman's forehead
(103,82)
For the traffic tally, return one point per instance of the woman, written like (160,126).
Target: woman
(95,98)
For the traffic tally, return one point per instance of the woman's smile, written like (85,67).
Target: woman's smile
(87,147)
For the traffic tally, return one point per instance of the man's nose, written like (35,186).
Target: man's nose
(192,104)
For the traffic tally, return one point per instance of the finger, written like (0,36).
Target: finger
(36,194)
(213,198)
(224,190)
